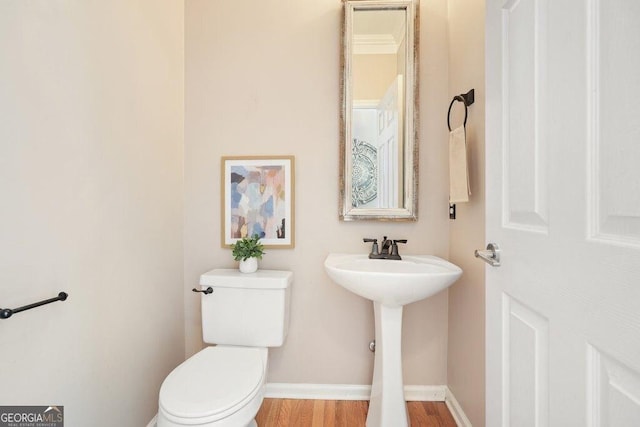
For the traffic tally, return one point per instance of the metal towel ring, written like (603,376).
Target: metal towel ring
(461,99)
(467,99)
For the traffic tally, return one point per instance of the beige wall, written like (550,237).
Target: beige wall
(263,78)
(466,297)
(91,141)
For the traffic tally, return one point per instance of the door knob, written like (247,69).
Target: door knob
(491,255)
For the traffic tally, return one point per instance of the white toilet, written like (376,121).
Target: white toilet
(223,385)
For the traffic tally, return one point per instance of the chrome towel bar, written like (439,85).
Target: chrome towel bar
(6,313)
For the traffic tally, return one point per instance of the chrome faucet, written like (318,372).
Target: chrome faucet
(389,248)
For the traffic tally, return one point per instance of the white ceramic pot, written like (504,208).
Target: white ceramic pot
(249,266)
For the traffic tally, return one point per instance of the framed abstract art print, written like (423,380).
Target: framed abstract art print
(257,198)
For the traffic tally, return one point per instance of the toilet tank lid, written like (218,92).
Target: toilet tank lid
(261,279)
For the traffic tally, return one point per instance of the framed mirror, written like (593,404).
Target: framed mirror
(378,132)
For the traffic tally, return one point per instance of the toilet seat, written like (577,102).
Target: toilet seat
(214,384)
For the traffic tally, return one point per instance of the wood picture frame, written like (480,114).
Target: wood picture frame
(258,198)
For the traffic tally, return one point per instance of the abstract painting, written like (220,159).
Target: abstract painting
(258,199)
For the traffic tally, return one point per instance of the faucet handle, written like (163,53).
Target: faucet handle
(374,247)
(394,248)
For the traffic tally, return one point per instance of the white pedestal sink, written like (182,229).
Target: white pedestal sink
(390,284)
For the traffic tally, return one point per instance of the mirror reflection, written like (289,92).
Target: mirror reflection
(379,143)
(378,68)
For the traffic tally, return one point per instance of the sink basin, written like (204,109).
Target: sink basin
(392,282)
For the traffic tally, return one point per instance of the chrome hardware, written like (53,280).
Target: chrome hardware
(372,346)
(491,256)
(207,291)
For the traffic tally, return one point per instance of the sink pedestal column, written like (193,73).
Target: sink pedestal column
(387,407)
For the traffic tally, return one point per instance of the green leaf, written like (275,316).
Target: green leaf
(247,247)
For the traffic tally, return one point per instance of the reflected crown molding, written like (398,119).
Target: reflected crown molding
(375,44)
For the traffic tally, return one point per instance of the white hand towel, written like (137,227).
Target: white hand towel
(459,189)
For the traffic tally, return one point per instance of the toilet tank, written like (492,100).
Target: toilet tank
(246,309)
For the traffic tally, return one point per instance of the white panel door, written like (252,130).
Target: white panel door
(563,203)
(389,135)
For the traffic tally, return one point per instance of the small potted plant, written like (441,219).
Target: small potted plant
(248,251)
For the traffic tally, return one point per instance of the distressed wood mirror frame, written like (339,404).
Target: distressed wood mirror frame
(404,206)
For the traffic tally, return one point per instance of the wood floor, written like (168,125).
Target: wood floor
(343,413)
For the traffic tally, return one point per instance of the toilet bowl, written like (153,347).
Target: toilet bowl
(223,385)
(219,386)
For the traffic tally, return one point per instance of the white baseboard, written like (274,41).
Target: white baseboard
(424,393)
(318,391)
(456,410)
